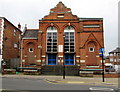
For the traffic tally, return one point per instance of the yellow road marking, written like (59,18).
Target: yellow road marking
(51,81)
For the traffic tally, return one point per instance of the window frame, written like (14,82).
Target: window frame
(53,35)
(69,32)
(15,45)
(91,48)
(30,49)
(15,31)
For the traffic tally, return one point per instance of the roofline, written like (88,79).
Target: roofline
(28,38)
(80,19)
(115,50)
(32,29)
(10,23)
(90,18)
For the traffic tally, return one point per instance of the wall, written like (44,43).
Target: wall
(11,36)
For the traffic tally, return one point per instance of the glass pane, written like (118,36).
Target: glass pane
(48,43)
(48,49)
(71,50)
(71,37)
(54,43)
(67,62)
(66,37)
(54,46)
(66,56)
(66,40)
(72,33)
(72,40)
(66,50)
(72,44)
(54,33)
(66,43)
(49,34)
(54,50)
(66,46)
(66,33)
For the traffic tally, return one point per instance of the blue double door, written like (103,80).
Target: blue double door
(52,59)
(68,59)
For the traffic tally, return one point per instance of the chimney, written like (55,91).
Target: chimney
(25,28)
(19,26)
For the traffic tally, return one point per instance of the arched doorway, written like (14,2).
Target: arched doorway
(92,53)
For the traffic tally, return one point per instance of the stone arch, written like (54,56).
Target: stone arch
(91,53)
(69,25)
(54,25)
(30,52)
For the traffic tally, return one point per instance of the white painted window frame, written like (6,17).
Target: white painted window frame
(92,48)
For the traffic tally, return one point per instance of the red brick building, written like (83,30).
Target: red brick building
(64,37)
(114,57)
(10,37)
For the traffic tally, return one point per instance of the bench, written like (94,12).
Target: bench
(9,71)
(86,74)
(31,72)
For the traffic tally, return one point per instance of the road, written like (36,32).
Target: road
(12,84)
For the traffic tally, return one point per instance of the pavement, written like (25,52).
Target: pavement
(70,79)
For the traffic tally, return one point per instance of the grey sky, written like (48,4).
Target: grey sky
(30,11)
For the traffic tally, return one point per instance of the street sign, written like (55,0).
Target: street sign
(60,48)
(101,51)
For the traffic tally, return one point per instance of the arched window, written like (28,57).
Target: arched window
(69,39)
(69,45)
(51,39)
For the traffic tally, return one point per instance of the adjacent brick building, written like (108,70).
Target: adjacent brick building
(63,38)
(114,57)
(10,37)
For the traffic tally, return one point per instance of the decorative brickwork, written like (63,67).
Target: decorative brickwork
(78,40)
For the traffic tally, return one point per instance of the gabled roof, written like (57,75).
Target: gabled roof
(10,23)
(117,50)
(30,34)
(91,37)
(60,8)
(84,19)
(60,11)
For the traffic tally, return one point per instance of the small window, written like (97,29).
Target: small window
(111,59)
(91,49)
(15,45)
(15,32)
(91,26)
(31,49)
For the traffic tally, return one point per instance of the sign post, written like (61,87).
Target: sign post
(63,59)
(101,52)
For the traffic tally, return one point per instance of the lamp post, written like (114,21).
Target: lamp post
(63,59)
(103,67)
